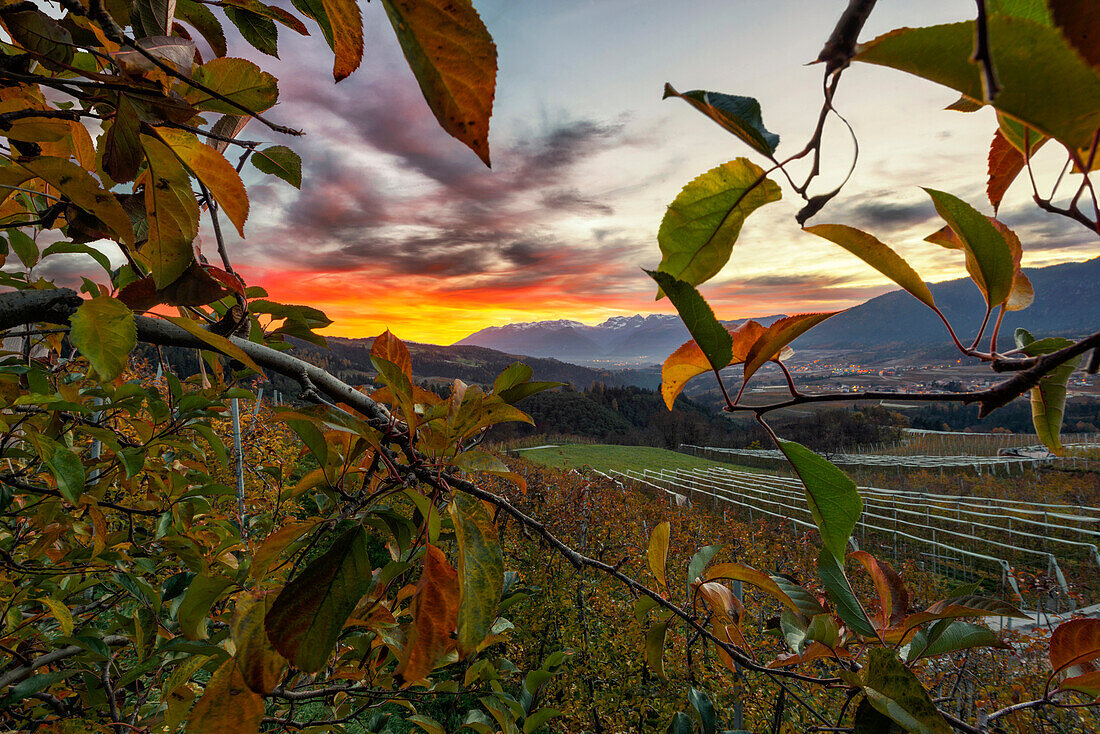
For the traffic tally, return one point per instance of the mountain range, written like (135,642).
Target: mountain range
(635,338)
(1067,303)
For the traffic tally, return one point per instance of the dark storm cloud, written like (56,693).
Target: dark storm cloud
(880,213)
(384,185)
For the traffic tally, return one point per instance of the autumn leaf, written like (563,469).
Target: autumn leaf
(435,618)
(689,362)
(215,172)
(455,62)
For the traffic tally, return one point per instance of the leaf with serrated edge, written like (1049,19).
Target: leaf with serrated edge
(1073,643)
(712,338)
(171,211)
(981,239)
(779,335)
(216,342)
(435,618)
(749,575)
(701,226)
(832,496)
(688,362)
(104,331)
(1048,398)
(480,570)
(1059,97)
(454,60)
(227,705)
(306,618)
(739,115)
(281,161)
(895,692)
(216,173)
(878,255)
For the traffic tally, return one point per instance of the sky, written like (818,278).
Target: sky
(400,226)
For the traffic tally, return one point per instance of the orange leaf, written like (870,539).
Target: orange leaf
(892,596)
(778,335)
(1074,642)
(814,651)
(689,362)
(748,574)
(435,618)
(721,601)
(1005,164)
(347,35)
(390,348)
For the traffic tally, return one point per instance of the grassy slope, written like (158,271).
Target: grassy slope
(604,457)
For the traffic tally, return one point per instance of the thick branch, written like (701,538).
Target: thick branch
(25,671)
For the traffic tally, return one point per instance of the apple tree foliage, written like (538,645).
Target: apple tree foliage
(138,592)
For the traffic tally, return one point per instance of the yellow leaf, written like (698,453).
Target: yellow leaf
(172,212)
(84,191)
(658,551)
(216,173)
(227,706)
(217,343)
(347,35)
(61,613)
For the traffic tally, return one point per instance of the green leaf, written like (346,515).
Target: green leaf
(895,692)
(680,724)
(739,115)
(59,248)
(259,31)
(1059,97)
(824,629)
(991,252)
(427,723)
(713,338)
(306,619)
(655,647)
(702,224)
(831,494)
(704,709)
(876,254)
(312,437)
(194,611)
(1048,398)
(835,581)
(104,331)
(25,248)
(950,635)
(281,161)
(480,571)
(657,554)
(803,600)
(869,721)
(205,22)
(699,562)
(68,470)
(235,79)
(455,62)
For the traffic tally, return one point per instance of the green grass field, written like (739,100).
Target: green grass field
(605,457)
